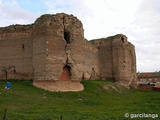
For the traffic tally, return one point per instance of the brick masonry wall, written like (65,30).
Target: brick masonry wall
(124,61)
(41,51)
(112,58)
(16,50)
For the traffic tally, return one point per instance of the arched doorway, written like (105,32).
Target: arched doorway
(66,74)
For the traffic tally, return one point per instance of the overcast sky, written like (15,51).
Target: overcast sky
(139,20)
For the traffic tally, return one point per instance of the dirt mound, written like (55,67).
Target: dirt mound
(59,85)
(107,87)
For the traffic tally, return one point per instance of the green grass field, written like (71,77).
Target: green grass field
(25,102)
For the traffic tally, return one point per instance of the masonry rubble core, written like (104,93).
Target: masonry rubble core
(54,53)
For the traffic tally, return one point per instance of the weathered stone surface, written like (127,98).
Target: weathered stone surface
(16,52)
(113,58)
(54,53)
(58,42)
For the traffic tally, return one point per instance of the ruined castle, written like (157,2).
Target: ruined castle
(54,53)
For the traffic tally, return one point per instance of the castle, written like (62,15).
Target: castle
(54,53)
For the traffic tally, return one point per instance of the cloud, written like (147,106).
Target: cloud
(138,19)
(11,13)
(71,6)
(145,31)
(100,18)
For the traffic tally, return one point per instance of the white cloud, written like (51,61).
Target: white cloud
(109,17)
(138,19)
(100,18)
(11,13)
(75,7)
(145,31)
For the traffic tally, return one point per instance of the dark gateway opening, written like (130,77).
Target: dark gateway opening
(66,74)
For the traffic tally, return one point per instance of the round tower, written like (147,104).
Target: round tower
(58,52)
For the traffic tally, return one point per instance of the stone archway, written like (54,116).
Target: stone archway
(66,74)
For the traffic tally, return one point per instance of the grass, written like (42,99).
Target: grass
(25,102)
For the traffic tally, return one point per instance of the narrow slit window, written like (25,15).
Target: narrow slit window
(22,46)
(122,38)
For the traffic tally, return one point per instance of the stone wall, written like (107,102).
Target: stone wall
(65,46)
(111,58)
(53,51)
(39,58)
(16,52)
(91,67)
(103,60)
(124,61)
(60,43)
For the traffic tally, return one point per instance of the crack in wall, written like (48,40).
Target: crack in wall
(68,53)
(67,45)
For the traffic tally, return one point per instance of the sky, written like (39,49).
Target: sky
(139,20)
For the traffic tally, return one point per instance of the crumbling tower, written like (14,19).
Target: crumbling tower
(58,52)
(112,58)
(124,61)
